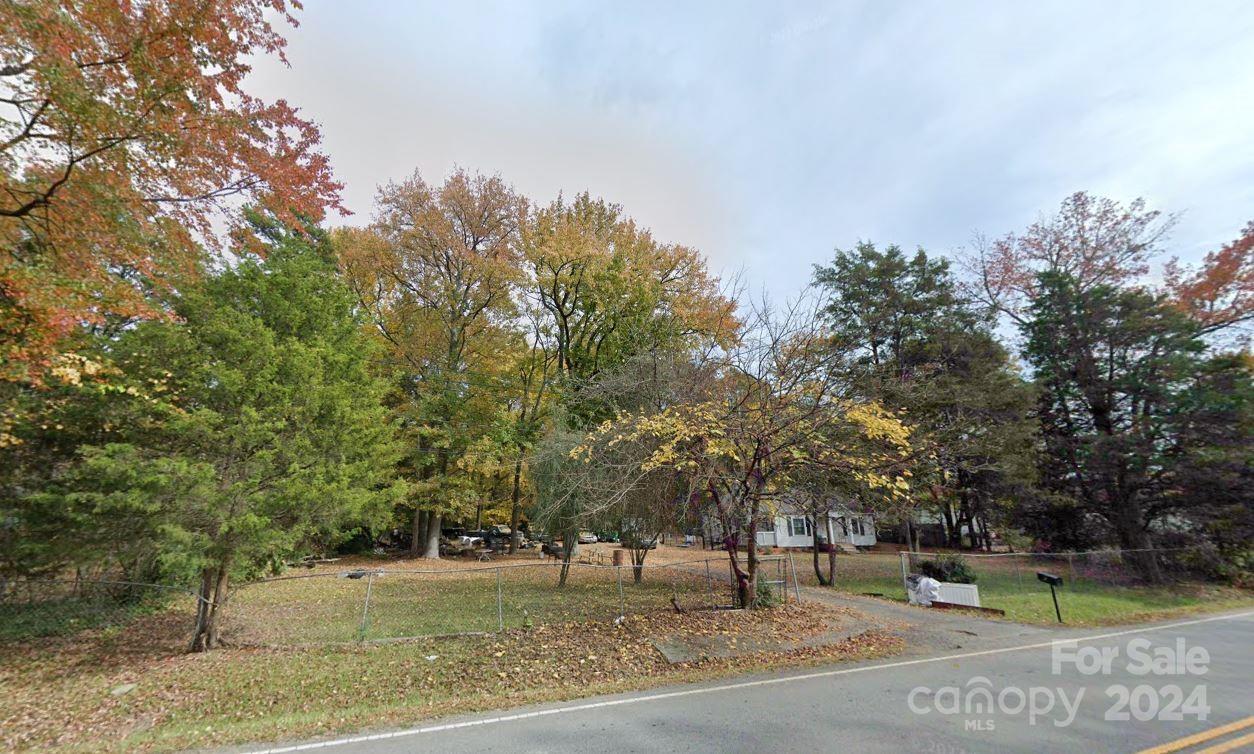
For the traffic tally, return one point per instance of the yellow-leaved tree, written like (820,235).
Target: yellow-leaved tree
(769,410)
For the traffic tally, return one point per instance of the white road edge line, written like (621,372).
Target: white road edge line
(730,687)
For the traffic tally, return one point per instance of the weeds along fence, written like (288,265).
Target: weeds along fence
(32,609)
(375,605)
(1095,569)
(381,605)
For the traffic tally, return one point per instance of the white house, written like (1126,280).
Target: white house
(841,527)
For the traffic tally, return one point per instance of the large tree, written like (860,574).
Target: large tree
(124,128)
(1114,367)
(258,433)
(905,336)
(437,272)
(1113,356)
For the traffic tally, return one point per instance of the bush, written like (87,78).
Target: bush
(766,595)
(951,568)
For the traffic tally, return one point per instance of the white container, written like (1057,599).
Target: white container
(960,594)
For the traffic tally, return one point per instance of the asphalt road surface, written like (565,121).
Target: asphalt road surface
(1184,686)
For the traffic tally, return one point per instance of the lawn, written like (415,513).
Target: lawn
(57,693)
(1086,598)
(325,607)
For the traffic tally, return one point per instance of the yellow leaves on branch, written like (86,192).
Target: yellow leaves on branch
(861,439)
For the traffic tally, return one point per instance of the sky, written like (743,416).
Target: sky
(769,134)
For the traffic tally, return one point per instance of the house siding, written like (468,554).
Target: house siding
(785,535)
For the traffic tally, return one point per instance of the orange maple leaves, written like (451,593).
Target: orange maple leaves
(1221,291)
(125,133)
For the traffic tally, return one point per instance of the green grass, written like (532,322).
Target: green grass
(68,615)
(326,609)
(1084,599)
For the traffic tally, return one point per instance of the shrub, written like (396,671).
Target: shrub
(766,595)
(951,568)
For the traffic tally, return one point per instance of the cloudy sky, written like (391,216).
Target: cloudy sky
(768,134)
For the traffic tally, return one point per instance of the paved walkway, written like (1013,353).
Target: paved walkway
(927,630)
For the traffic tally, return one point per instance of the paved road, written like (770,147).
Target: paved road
(904,704)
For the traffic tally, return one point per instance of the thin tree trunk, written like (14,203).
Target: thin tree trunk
(818,571)
(569,541)
(742,579)
(515,511)
(202,610)
(432,549)
(214,584)
(219,601)
(751,563)
(912,540)
(637,564)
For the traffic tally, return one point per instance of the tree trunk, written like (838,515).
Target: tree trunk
(818,571)
(637,564)
(975,535)
(203,604)
(214,584)
(751,563)
(515,511)
(432,549)
(742,579)
(1133,537)
(569,542)
(418,538)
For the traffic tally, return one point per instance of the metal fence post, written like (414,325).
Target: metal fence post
(365,608)
(904,557)
(709,584)
(1071,567)
(500,607)
(796,586)
(622,598)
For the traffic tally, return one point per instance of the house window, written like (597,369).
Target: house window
(798,526)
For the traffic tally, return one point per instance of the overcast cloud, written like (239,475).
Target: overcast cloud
(766,135)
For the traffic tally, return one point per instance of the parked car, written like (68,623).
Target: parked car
(640,543)
(497,533)
(587,538)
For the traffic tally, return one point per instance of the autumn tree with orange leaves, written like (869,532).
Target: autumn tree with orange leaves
(124,129)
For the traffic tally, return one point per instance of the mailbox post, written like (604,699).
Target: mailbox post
(1053,581)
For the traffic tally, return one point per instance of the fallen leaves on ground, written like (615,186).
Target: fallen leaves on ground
(58,694)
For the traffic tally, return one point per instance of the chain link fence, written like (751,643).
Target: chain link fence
(1095,568)
(34,609)
(1095,585)
(381,605)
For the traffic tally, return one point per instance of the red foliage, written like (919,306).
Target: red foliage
(1094,239)
(126,132)
(1221,292)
